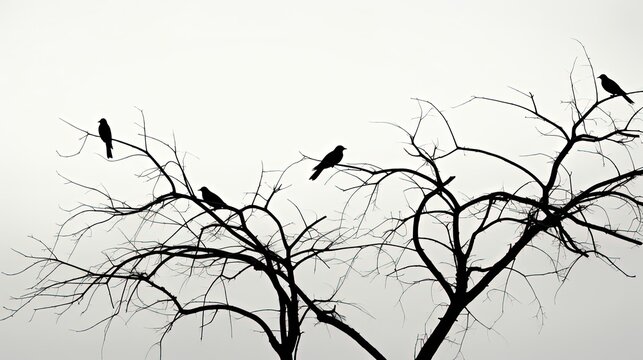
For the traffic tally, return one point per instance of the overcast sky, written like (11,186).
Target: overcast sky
(244,82)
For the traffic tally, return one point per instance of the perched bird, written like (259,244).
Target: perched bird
(211,198)
(106,135)
(611,87)
(331,159)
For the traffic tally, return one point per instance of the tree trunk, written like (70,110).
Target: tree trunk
(440,333)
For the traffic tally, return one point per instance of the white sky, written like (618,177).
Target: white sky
(245,82)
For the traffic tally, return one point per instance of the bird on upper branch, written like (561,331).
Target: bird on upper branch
(331,159)
(612,87)
(105,134)
(212,199)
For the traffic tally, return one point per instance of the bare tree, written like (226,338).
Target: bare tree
(443,230)
(194,248)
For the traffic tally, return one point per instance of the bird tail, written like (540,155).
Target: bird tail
(316,174)
(109,150)
(628,99)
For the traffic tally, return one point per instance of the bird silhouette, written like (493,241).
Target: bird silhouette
(106,135)
(212,199)
(331,159)
(612,87)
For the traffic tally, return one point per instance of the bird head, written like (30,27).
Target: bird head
(102,121)
(340,148)
(602,76)
(203,188)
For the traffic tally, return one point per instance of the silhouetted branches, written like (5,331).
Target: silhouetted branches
(550,206)
(194,256)
(207,243)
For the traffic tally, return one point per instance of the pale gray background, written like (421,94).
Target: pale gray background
(261,81)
